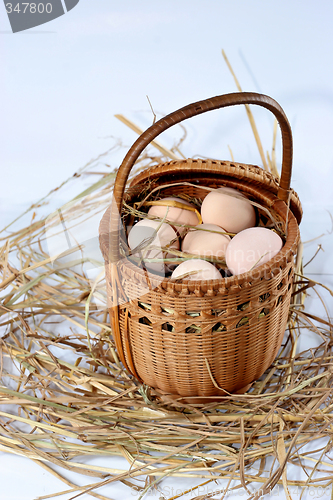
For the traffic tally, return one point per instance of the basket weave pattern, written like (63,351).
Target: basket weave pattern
(237,353)
(201,338)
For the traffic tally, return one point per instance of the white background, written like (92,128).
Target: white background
(63,82)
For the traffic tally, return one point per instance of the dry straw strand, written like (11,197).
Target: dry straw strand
(249,114)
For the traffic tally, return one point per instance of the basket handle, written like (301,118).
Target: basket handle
(184,113)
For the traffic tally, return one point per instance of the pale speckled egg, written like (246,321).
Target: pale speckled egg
(178,215)
(144,230)
(251,248)
(204,243)
(201,269)
(229,209)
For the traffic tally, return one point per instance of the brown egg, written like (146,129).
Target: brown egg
(229,209)
(146,229)
(251,248)
(174,214)
(199,269)
(205,243)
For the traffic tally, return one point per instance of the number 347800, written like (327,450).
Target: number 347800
(27,7)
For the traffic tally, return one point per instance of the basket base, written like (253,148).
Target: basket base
(197,400)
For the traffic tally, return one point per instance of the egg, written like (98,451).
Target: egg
(204,243)
(174,214)
(229,209)
(201,269)
(145,229)
(251,248)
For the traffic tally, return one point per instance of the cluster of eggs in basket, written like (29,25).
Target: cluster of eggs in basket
(226,232)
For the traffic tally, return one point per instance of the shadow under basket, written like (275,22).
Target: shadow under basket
(201,338)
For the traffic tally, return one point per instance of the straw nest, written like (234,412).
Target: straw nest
(64,394)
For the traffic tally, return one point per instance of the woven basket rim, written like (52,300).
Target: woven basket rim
(237,171)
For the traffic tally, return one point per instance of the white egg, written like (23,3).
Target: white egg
(229,209)
(174,214)
(251,248)
(205,243)
(142,233)
(199,269)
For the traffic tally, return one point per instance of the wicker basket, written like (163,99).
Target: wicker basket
(201,338)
